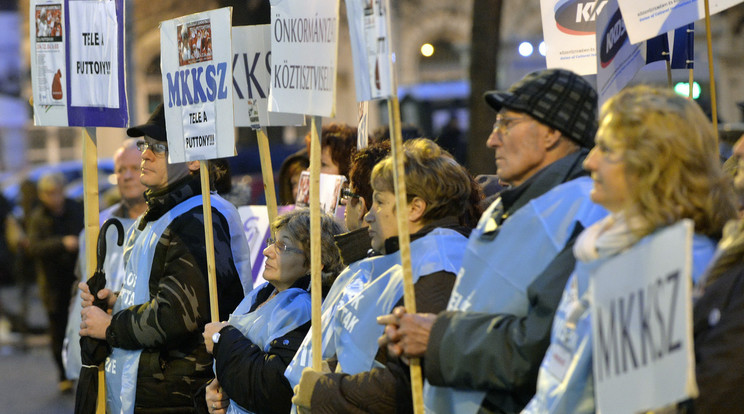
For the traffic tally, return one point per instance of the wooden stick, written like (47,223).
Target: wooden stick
(209,240)
(404,241)
(315,276)
(691,82)
(669,74)
(92,227)
(708,37)
(268,174)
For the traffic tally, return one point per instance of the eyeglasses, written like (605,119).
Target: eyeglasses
(281,246)
(155,147)
(504,124)
(347,194)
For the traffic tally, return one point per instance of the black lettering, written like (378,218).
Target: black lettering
(673,346)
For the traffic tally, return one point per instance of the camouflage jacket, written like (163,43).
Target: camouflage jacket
(174,362)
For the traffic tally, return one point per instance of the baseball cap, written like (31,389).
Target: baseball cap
(153,128)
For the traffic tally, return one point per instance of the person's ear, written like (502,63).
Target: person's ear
(363,208)
(193,165)
(552,138)
(416,209)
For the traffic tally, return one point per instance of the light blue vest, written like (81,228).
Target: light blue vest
(345,288)
(282,314)
(497,271)
(121,366)
(572,390)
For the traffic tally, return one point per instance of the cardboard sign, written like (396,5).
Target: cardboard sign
(304,48)
(252,79)
(369,29)
(650,18)
(196,62)
(77,63)
(618,60)
(569,32)
(642,324)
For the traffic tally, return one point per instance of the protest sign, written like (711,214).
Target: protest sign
(569,32)
(649,18)
(77,63)
(642,324)
(304,48)
(330,191)
(196,57)
(252,79)
(617,61)
(12,106)
(369,29)
(256,227)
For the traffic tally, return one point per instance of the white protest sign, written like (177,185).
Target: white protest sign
(48,69)
(196,57)
(256,227)
(330,191)
(569,33)
(369,29)
(252,79)
(304,48)
(650,18)
(93,50)
(642,324)
(618,60)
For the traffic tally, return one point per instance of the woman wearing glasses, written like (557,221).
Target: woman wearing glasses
(655,162)
(252,349)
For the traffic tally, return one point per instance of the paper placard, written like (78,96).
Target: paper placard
(196,62)
(256,226)
(304,48)
(371,50)
(642,324)
(569,33)
(252,79)
(650,18)
(330,191)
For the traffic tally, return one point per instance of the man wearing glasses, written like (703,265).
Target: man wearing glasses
(518,258)
(159,360)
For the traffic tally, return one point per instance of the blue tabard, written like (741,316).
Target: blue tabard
(113,267)
(355,325)
(497,271)
(346,286)
(121,366)
(283,313)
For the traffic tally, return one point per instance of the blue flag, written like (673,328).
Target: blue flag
(682,56)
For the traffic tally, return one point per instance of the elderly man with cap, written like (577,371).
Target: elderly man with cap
(158,360)
(484,352)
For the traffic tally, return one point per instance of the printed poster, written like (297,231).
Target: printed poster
(12,105)
(642,324)
(304,48)
(650,18)
(196,63)
(617,61)
(256,226)
(569,33)
(252,79)
(77,63)
(330,192)
(371,50)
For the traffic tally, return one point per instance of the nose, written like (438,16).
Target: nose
(494,139)
(369,217)
(269,251)
(590,162)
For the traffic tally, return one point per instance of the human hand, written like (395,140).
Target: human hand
(303,392)
(406,334)
(94,322)
(87,297)
(70,242)
(209,330)
(217,400)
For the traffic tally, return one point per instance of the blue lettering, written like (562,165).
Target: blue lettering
(235,83)
(173,91)
(250,75)
(185,88)
(198,90)
(211,83)
(222,71)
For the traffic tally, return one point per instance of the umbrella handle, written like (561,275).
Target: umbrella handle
(101,248)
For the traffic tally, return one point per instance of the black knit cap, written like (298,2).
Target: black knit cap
(153,128)
(557,98)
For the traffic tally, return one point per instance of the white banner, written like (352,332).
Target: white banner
(93,51)
(617,61)
(304,48)
(196,62)
(650,18)
(642,324)
(256,226)
(252,79)
(48,68)
(369,29)
(569,33)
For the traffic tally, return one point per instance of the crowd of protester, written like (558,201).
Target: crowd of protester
(500,271)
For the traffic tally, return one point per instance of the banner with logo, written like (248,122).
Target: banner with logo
(304,48)
(641,309)
(617,61)
(77,63)
(650,18)
(569,32)
(196,63)
(369,29)
(256,226)
(252,79)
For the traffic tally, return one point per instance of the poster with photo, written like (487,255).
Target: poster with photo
(49,54)
(330,191)
(196,65)
(369,29)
